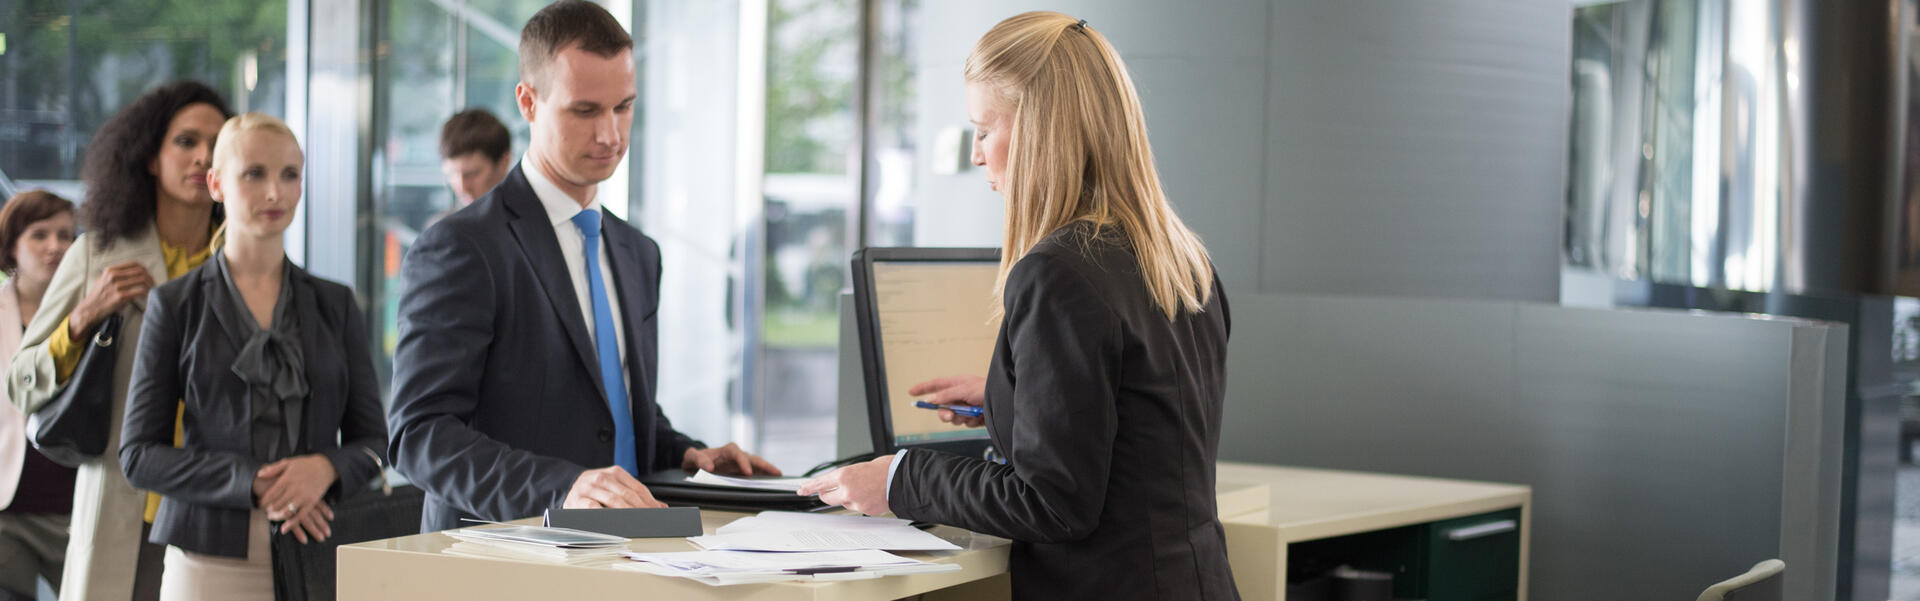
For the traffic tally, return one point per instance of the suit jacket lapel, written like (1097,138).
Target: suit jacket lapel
(633,287)
(535,236)
(213,287)
(306,314)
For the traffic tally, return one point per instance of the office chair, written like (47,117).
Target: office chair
(1762,583)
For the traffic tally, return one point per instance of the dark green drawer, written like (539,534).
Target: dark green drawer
(1475,558)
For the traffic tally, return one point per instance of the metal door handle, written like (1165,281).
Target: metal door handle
(1482,530)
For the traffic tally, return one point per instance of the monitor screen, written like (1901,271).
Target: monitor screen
(927,314)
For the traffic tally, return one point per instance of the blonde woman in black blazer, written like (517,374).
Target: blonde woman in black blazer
(282,412)
(1106,385)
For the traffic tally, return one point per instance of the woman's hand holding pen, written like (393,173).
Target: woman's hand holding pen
(965,390)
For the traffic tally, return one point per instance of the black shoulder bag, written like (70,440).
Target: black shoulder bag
(72,428)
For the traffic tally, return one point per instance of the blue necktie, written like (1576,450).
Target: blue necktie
(605,338)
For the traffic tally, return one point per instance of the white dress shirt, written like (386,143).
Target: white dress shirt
(560,210)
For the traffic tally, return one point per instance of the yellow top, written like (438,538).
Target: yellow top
(66,356)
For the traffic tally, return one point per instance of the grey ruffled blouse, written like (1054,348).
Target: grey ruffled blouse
(271,361)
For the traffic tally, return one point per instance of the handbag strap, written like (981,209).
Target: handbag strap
(109,329)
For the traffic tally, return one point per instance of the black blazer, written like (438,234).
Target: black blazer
(496,401)
(186,354)
(1109,417)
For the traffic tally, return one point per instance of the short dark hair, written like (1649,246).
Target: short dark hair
(563,25)
(23,210)
(475,130)
(120,192)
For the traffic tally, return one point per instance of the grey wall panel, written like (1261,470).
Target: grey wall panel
(1201,71)
(1417,148)
(1654,438)
(1812,505)
(1667,450)
(1345,148)
(1204,119)
(1140,28)
(1366,393)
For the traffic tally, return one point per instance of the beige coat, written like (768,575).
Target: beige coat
(13,423)
(105,543)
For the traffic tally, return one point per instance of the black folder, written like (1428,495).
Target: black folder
(673,488)
(669,522)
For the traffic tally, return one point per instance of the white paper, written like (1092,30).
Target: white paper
(785,484)
(720,568)
(904,538)
(748,561)
(778,521)
(489,550)
(542,535)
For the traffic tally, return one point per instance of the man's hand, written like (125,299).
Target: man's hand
(608,487)
(730,459)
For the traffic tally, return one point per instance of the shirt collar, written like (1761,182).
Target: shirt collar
(560,207)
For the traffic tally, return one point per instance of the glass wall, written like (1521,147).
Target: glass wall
(438,57)
(65,67)
(811,190)
(1637,69)
(893,146)
(749,151)
(695,202)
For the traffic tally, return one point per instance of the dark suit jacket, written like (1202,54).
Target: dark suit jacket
(186,354)
(1109,417)
(496,401)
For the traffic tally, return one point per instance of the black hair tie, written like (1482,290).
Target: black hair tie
(1081,26)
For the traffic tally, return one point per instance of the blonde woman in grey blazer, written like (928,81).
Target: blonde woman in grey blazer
(149,218)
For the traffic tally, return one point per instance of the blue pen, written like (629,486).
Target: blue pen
(965,410)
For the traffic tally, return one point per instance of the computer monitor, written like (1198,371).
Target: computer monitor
(922,313)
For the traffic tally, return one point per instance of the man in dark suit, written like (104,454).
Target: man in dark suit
(528,335)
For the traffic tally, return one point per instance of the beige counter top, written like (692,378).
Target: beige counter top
(417,568)
(1306,504)
(1263,507)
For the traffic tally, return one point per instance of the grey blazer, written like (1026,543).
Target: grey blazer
(186,354)
(496,403)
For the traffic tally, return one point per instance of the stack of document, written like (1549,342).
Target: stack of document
(781,484)
(740,567)
(554,545)
(795,531)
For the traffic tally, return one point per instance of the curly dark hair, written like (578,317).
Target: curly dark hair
(120,192)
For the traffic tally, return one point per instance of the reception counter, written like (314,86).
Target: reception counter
(1267,511)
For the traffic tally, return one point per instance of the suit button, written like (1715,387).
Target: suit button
(606,435)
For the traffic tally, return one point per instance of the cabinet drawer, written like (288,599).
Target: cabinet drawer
(1475,558)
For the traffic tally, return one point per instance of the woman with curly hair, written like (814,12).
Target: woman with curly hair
(149,218)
